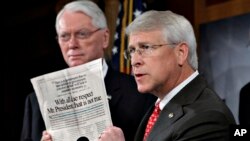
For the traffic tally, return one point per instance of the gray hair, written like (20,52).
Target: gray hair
(175,28)
(87,7)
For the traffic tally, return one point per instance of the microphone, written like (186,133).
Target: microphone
(83,139)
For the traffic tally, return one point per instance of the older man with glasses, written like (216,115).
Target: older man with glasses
(83,36)
(162,50)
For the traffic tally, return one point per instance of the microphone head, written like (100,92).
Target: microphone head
(83,139)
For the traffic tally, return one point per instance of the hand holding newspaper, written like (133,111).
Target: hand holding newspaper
(73,102)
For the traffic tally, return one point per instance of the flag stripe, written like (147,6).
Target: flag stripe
(130,20)
(124,19)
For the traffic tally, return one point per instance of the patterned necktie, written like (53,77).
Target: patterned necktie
(152,120)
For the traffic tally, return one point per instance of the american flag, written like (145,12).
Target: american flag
(128,10)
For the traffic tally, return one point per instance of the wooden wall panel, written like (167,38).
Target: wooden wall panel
(207,13)
(204,12)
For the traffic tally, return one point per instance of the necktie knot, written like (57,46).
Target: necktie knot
(152,120)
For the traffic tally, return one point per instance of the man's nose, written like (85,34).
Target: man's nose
(73,41)
(136,59)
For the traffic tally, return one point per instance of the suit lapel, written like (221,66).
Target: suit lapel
(112,83)
(173,111)
(168,116)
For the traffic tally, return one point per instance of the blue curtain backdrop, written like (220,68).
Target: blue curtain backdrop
(225,57)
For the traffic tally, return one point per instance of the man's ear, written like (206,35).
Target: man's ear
(106,38)
(182,53)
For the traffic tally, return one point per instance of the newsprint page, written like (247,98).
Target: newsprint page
(73,102)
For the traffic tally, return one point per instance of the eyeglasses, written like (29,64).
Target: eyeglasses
(82,34)
(143,50)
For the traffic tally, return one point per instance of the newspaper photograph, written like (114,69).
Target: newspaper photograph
(73,102)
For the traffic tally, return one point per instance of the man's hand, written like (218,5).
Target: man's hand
(112,134)
(46,136)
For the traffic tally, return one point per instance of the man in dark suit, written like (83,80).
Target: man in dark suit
(162,50)
(83,36)
(244,111)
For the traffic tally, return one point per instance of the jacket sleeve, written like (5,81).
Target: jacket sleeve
(33,124)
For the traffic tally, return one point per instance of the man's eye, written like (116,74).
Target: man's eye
(82,34)
(63,35)
(145,47)
(131,50)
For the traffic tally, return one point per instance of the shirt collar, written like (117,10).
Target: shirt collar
(173,92)
(104,67)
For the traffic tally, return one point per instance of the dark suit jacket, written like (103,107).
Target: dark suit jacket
(127,107)
(195,113)
(244,105)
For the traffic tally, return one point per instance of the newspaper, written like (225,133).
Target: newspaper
(73,102)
